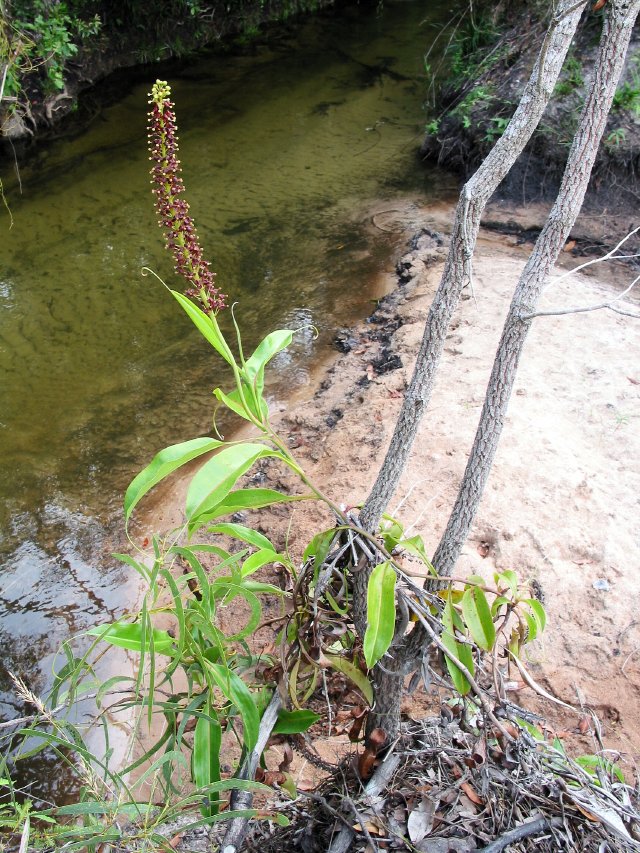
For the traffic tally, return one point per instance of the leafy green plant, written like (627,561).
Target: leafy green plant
(616,137)
(198,687)
(41,36)
(571,78)
(433,127)
(479,95)
(496,128)
(627,96)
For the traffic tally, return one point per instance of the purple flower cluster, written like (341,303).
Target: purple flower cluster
(173,211)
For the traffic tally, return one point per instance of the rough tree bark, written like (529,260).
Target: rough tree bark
(388,679)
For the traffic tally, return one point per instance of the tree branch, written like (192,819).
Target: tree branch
(584,309)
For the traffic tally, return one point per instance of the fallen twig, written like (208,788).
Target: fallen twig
(379,781)
(237,829)
(525,831)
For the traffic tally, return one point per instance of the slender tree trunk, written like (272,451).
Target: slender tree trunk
(457,272)
(614,42)
(388,681)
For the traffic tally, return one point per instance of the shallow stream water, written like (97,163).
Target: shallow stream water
(282,145)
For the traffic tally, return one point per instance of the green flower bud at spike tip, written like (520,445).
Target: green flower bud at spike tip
(173,211)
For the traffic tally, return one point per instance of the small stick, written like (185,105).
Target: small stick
(234,836)
(379,781)
(520,832)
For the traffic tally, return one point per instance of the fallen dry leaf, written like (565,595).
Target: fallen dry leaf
(472,794)
(584,724)
(420,821)
(569,246)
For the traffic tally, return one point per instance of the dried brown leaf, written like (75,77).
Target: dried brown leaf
(420,821)
(472,794)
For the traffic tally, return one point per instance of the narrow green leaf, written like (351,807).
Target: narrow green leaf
(205,757)
(591,763)
(477,615)
(508,578)
(245,534)
(140,568)
(133,636)
(353,674)
(532,626)
(497,604)
(87,808)
(460,650)
(274,343)
(260,587)
(163,464)
(294,722)
(415,545)
(559,746)
(229,591)
(251,499)
(202,577)
(178,612)
(217,477)
(381,613)
(234,402)
(320,546)
(207,326)
(538,611)
(259,559)
(239,694)
(167,758)
(534,731)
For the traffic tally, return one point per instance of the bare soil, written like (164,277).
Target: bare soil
(563,500)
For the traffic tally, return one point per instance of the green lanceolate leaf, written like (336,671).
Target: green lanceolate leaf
(319,547)
(593,763)
(294,722)
(252,499)
(254,368)
(234,402)
(353,674)
(207,326)
(381,613)
(226,589)
(538,611)
(239,694)
(205,758)
(244,534)
(415,545)
(218,476)
(460,650)
(477,615)
(133,636)
(261,558)
(163,464)
(532,627)
(507,580)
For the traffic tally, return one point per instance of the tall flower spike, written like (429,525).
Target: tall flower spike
(173,211)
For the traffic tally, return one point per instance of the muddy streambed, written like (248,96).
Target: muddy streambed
(283,147)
